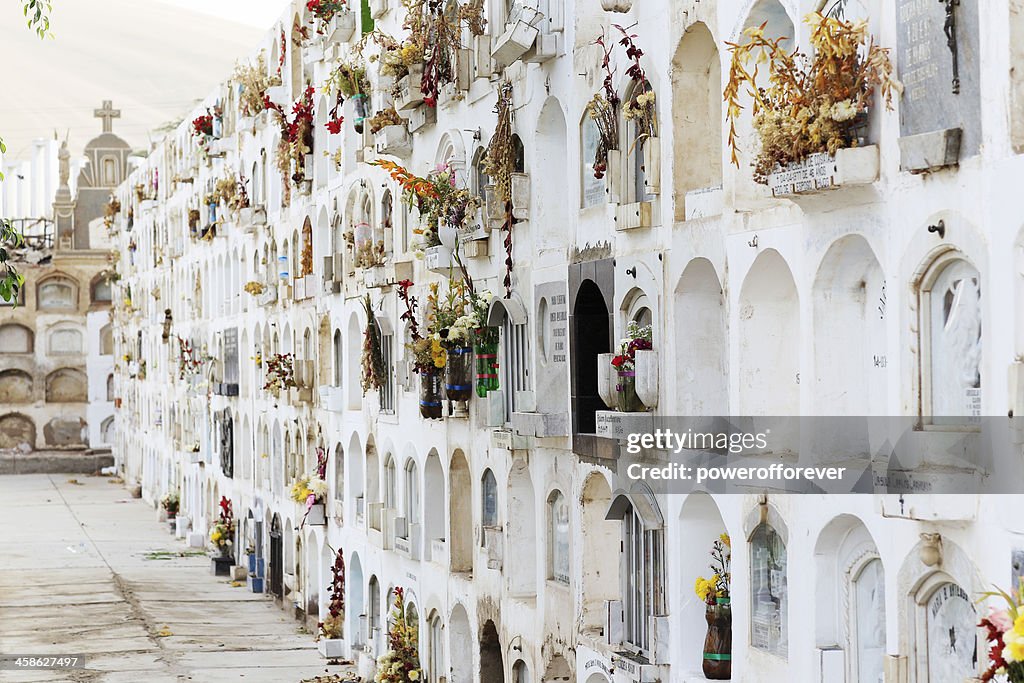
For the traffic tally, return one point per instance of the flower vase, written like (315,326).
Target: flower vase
(625,393)
(430,395)
(486,352)
(361,106)
(718,642)
(225,551)
(458,374)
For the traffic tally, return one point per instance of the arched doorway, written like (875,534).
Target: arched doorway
(276,559)
(492,669)
(460,646)
(591,337)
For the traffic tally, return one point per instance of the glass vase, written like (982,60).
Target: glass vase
(718,642)
(458,374)
(485,349)
(625,393)
(430,395)
(361,106)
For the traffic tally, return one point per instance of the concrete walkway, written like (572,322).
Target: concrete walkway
(78,575)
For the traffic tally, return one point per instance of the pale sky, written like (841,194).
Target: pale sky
(153,58)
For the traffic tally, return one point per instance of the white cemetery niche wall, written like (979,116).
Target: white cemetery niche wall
(850,600)
(701,342)
(778,24)
(522,531)
(769,329)
(600,576)
(850,309)
(552,159)
(938,59)
(702,523)
(769,587)
(592,189)
(951,307)
(697,116)
(938,619)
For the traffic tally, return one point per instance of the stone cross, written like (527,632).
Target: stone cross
(107,113)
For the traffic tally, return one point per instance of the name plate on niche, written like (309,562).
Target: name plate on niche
(816,172)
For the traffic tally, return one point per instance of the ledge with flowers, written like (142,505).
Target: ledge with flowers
(310,491)
(811,115)
(628,380)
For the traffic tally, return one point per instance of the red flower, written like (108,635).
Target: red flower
(335,126)
(618,361)
(430,101)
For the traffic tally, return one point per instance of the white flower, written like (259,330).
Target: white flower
(318,486)
(843,111)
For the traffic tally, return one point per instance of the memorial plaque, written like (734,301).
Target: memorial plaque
(231,355)
(552,331)
(938,61)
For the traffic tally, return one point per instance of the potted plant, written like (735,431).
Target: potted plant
(637,338)
(330,638)
(485,349)
(171,503)
(810,105)
(296,144)
(334,20)
(223,532)
(280,373)
(253,82)
(428,356)
(311,489)
(714,592)
(349,80)
(401,663)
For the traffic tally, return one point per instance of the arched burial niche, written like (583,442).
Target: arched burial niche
(769,581)
(641,562)
(769,339)
(67,385)
(276,558)
(600,576)
(434,528)
(849,324)
(557,670)
(460,510)
(17,431)
(15,387)
(702,353)
(522,531)
(850,597)
(460,646)
(778,24)
(697,115)
(591,336)
(356,599)
(702,524)
(938,625)
(552,156)
(16,338)
(492,669)
(950,316)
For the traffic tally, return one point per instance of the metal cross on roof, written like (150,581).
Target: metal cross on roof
(107,113)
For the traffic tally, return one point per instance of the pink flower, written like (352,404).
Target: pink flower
(310,501)
(1000,619)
